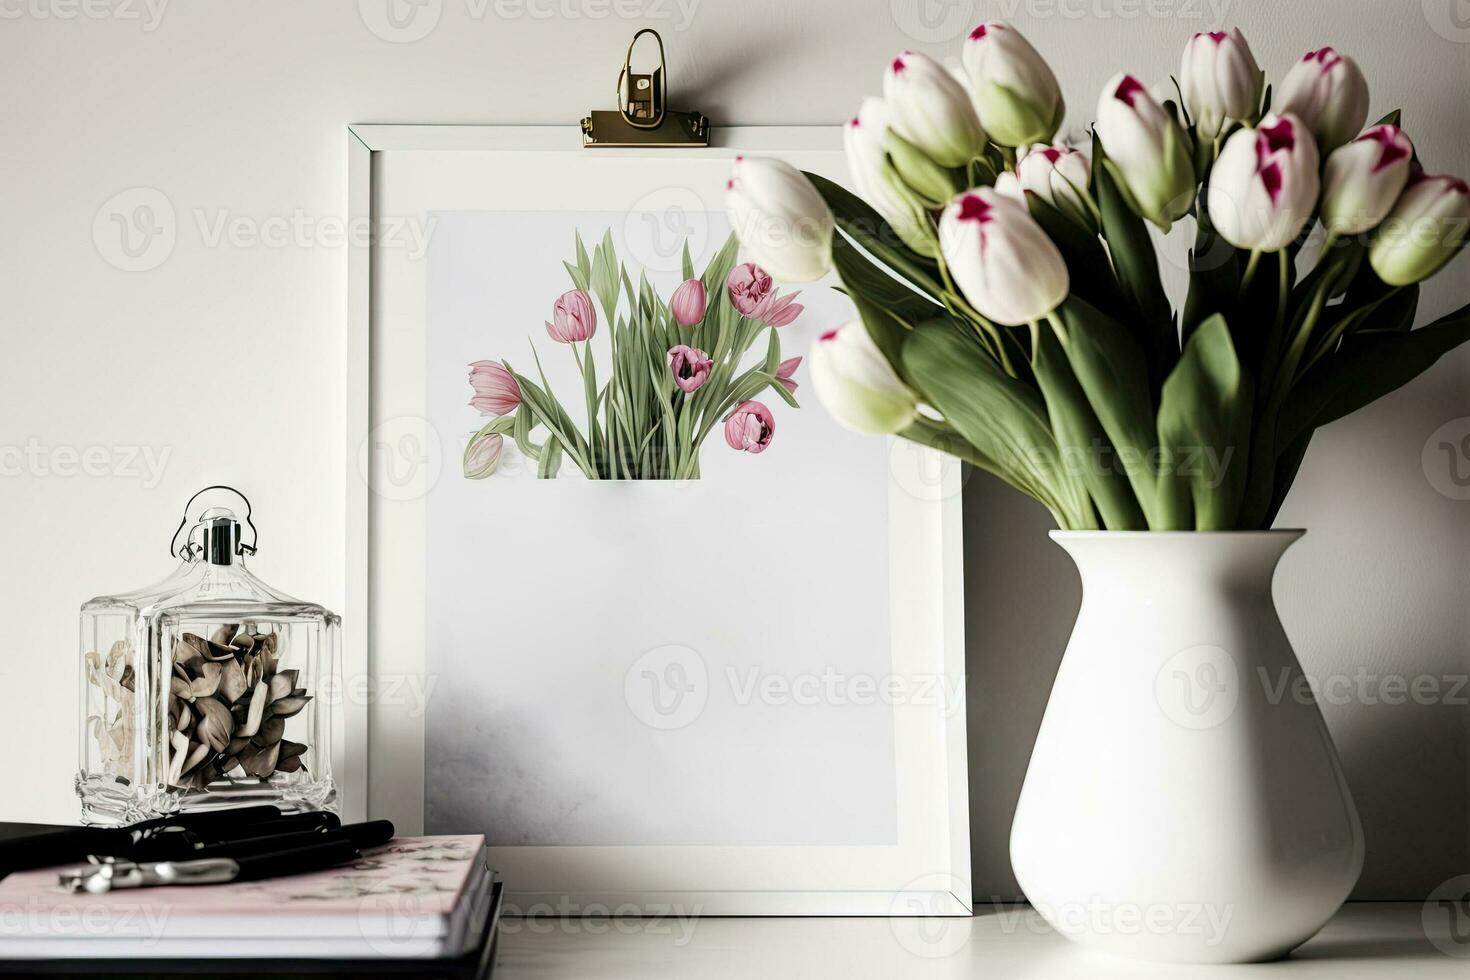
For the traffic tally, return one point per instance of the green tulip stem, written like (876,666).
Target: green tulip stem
(1283,288)
(1058,326)
(1250,270)
(1008,154)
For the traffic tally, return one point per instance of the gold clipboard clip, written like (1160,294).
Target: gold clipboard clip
(642,117)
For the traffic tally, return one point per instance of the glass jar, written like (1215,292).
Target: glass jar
(203,691)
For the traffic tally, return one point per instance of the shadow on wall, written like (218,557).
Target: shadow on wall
(1022,594)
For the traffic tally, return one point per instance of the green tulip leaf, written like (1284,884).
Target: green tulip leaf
(1369,365)
(876,236)
(1087,455)
(1088,268)
(1136,266)
(550,460)
(1204,434)
(1004,420)
(1214,277)
(1112,370)
(887,307)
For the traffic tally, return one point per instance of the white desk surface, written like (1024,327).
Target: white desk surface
(1364,940)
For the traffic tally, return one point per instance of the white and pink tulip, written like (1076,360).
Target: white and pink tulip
(1220,81)
(1059,176)
(927,107)
(1263,187)
(1148,148)
(1423,231)
(1327,91)
(1001,259)
(780,218)
(1363,178)
(856,384)
(1013,89)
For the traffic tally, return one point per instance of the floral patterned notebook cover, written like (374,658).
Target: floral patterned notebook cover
(419,877)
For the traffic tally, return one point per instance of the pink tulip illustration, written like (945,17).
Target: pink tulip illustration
(689,302)
(496,390)
(785,370)
(749,427)
(750,289)
(482,455)
(572,318)
(780,311)
(690,367)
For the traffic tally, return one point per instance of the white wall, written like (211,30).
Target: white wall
(227,355)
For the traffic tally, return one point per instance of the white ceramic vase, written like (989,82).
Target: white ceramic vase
(1184,800)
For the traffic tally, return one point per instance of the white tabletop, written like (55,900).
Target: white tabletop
(1364,940)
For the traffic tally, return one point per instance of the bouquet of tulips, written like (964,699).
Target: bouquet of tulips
(675,373)
(1011,304)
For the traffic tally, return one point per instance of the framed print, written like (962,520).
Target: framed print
(636,608)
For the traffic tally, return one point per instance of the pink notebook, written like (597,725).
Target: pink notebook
(412,897)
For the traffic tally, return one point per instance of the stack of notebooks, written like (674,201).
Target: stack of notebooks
(417,906)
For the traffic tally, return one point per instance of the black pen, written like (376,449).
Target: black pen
(49,849)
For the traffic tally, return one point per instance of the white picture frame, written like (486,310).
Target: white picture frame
(924,871)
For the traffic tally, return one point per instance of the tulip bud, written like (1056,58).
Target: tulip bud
(1059,175)
(496,389)
(865,140)
(1014,91)
(1000,258)
(780,218)
(786,374)
(856,384)
(1007,184)
(1220,81)
(750,427)
(573,318)
(1364,178)
(1149,150)
(1328,92)
(1264,185)
(928,108)
(482,455)
(688,302)
(690,367)
(930,183)
(1423,230)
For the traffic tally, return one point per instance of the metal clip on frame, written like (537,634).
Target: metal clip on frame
(642,117)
